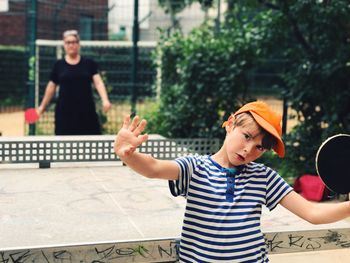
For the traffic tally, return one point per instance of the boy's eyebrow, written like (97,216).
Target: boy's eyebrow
(251,136)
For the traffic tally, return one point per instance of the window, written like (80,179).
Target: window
(86,27)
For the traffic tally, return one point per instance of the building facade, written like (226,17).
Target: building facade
(152,19)
(90,17)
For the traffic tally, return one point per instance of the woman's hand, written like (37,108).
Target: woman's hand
(40,110)
(106,104)
(129,137)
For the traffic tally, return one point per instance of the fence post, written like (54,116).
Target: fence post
(31,37)
(135,38)
(284,115)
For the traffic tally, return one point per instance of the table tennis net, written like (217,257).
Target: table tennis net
(94,150)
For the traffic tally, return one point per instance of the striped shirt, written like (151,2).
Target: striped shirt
(222,216)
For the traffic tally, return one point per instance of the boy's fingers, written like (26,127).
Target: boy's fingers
(134,123)
(126,121)
(139,129)
(143,138)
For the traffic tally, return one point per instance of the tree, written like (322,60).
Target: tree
(313,38)
(204,78)
(206,75)
(172,7)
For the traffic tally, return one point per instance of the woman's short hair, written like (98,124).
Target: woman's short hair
(246,118)
(71,32)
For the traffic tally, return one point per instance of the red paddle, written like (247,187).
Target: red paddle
(31,115)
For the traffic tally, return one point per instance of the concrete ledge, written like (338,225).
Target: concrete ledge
(326,256)
(284,246)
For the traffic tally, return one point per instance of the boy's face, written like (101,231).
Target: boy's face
(243,144)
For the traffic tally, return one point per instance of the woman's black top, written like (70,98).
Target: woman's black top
(75,112)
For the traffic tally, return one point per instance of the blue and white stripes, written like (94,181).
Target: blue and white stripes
(217,229)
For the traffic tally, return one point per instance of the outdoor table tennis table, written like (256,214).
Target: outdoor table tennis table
(86,206)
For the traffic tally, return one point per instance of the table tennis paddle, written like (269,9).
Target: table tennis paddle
(31,116)
(333,162)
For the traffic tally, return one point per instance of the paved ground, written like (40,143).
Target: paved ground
(12,124)
(108,202)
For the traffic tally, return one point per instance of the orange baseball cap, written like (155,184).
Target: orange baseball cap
(268,119)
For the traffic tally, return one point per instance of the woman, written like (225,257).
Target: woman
(75,112)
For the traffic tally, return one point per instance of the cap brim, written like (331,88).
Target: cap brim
(279,147)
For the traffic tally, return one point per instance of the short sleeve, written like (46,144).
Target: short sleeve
(276,189)
(54,73)
(180,186)
(93,67)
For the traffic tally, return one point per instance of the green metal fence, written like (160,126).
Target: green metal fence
(31,38)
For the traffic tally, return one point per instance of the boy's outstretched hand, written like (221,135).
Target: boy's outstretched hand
(129,136)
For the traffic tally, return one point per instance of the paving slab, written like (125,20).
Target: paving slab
(84,204)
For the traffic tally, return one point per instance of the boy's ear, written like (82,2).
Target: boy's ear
(229,124)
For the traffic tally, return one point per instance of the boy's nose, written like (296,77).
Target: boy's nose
(248,147)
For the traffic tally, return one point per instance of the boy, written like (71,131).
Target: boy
(225,192)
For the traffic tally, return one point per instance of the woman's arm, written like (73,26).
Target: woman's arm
(101,89)
(128,139)
(49,93)
(315,213)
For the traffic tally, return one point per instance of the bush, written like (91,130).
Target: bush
(12,76)
(204,78)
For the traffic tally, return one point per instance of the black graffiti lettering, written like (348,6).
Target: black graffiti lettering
(169,251)
(106,253)
(125,251)
(20,257)
(62,255)
(272,244)
(293,241)
(331,237)
(313,246)
(336,238)
(307,243)
(344,244)
(2,258)
(47,260)
(162,250)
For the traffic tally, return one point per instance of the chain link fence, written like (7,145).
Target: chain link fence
(106,30)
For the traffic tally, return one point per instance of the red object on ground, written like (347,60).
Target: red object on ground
(311,187)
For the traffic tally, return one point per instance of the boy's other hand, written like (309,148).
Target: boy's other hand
(129,136)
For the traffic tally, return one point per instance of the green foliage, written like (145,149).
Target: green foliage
(206,4)
(314,38)
(173,6)
(204,78)
(13,73)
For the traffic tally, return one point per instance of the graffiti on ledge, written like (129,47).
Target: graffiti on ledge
(142,251)
(166,250)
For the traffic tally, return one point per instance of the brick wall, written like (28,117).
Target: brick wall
(12,25)
(53,17)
